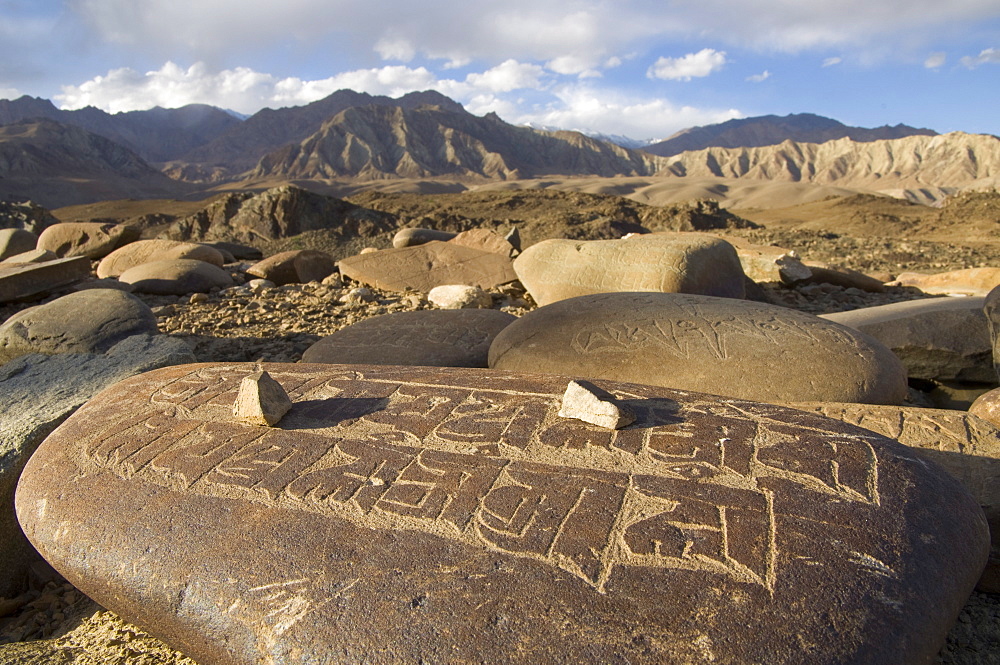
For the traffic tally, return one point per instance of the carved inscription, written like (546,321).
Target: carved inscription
(493,468)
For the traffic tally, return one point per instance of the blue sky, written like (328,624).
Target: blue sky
(640,68)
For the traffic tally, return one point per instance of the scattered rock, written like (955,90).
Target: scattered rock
(585,401)
(940,339)
(26,215)
(967,282)
(301,265)
(438,338)
(456,504)
(176,277)
(31,281)
(359,294)
(90,321)
(414,237)
(146,251)
(698,263)
(423,267)
(16,241)
(261,400)
(714,345)
(459,296)
(91,239)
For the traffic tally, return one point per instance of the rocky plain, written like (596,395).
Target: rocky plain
(775,456)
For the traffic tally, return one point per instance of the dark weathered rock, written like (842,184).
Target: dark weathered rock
(294,267)
(30,281)
(89,321)
(554,270)
(940,339)
(32,256)
(413,237)
(177,277)
(966,446)
(715,345)
(825,273)
(240,252)
(16,241)
(446,515)
(423,267)
(158,249)
(37,393)
(91,239)
(991,308)
(436,338)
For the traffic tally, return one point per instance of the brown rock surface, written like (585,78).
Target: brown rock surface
(32,256)
(423,267)
(987,407)
(176,277)
(716,345)
(30,281)
(486,528)
(411,237)
(16,241)
(768,263)
(698,263)
(301,265)
(436,338)
(486,240)
(825,273)
(157,249)
(91,239)
(965,282)
(991,308)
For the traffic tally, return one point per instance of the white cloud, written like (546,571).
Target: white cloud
(508,75)
(830,62)
(986,56)
(692,65)
(9,93)
(935,60)
(395,49)
(757,78)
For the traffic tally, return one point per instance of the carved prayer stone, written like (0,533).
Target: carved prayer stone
(554,270)
(964,282)
(437,338)
(90,239)
(448,515)
(425,266)
(715,345)
(966,446)
(415,236)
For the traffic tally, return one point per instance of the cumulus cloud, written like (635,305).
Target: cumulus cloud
(692,65)
(935,60)
(986,56)
(830,62)
(757,78)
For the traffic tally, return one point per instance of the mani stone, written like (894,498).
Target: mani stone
(450,515)
(158,249)
(486,240)
(295,267)
(84,322)
(554,270)
(261,400)
(91,239)
(966,446)
(16,241)
(437,338)
(31,281)
(176,277)
(939,339)
(966,282)
(585,401)
(414,237)
(38,392)
(459,296)
(423,267)
(713,345)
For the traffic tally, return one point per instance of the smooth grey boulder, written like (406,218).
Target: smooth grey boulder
(938,339)
(16,241)
(698,263)
(89,321)
(177,277)
(38,392)
(713,345)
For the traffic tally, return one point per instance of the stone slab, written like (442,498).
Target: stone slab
(436,338)
(446,515)
(31,281)
(422,267)
(16,241)
(38,392)
(716,345)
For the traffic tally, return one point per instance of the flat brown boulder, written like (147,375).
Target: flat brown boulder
(294,267)
(177,278)
(554,270)
(423,267)
(966,446)
(940,339)
(89,321)
(436,338)
(486,240)
(30,281)
(157,249)
(414,236)
(714,345)
(447,515)
(965,282)
(91,239)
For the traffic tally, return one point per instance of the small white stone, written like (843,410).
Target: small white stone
(261,400)
(459,296)
(583,401)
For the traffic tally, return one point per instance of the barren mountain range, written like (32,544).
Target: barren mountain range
(66,157)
